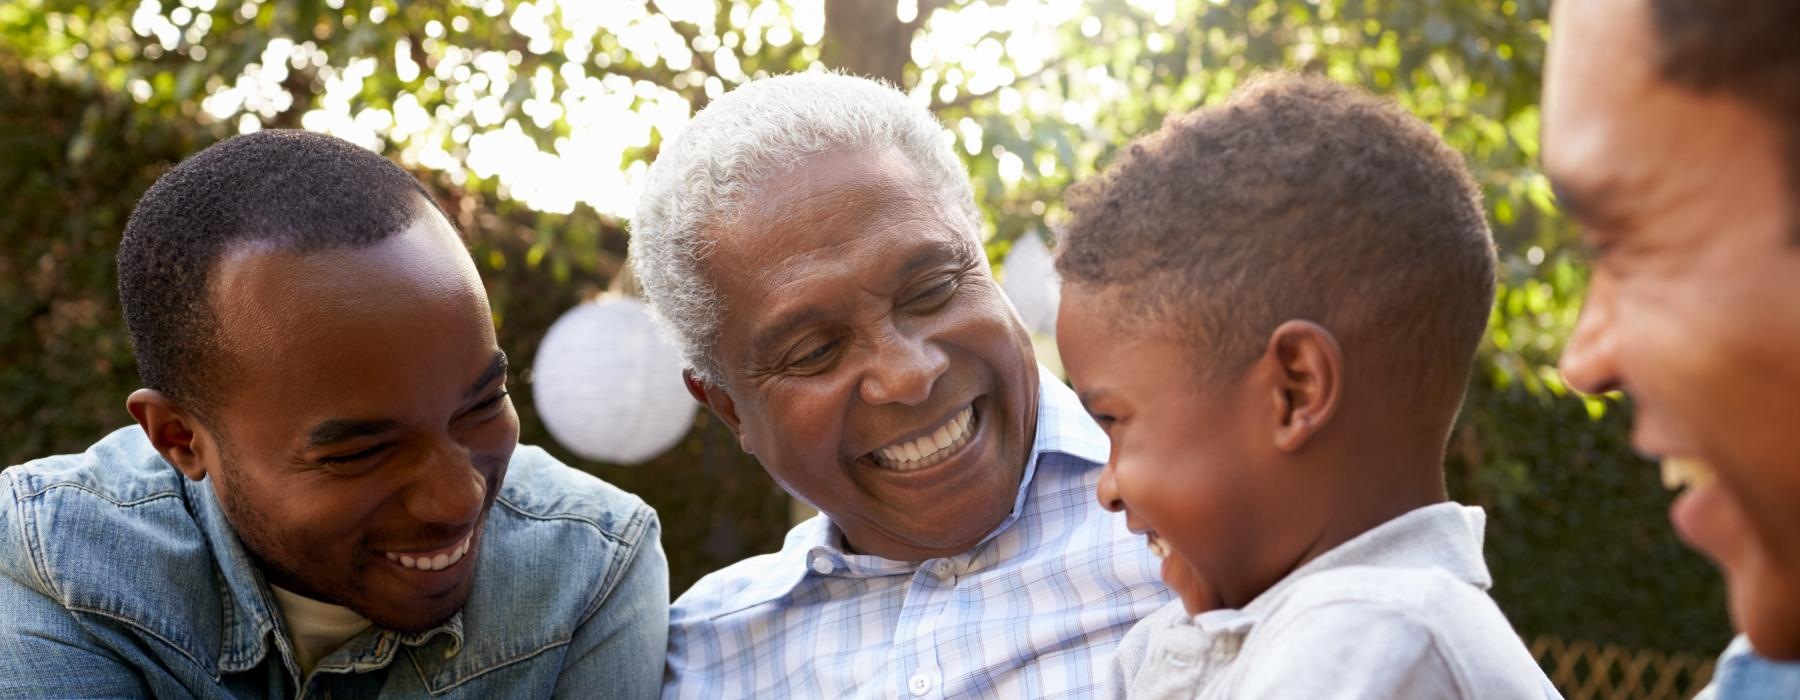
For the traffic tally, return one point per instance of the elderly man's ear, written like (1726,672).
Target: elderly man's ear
(716,400)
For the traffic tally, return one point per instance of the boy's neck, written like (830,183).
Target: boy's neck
(1379,478)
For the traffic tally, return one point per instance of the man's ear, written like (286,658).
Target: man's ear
(1308,368)
(715,399)
(174,433)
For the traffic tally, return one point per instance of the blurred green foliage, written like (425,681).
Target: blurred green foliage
(97,98)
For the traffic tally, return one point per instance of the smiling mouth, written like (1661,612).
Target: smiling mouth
(935,447)
(1158,546)
(434,560)
(1688,472)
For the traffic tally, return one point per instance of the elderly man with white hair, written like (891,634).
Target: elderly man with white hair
(813,244)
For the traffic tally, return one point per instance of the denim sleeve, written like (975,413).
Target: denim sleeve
(44,650)
(618,652)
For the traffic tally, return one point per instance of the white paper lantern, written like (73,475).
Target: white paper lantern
(1031,282)
(608,385)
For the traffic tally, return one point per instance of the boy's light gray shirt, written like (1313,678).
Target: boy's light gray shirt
(1400,611)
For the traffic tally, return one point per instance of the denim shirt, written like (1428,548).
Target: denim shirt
(1744,675)
(119,577)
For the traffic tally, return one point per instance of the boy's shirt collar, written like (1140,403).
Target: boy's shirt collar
(1446,536)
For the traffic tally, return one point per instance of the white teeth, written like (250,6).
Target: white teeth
(436,563)
(925,451)
(1684,471)
(1158,547)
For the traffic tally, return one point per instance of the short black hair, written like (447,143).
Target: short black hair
(1298,198)
(287,189)
(1745,49)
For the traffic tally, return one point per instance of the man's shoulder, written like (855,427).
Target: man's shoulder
(540,488)
(752,582)
(562,536)
(73,516)
(733,589)
(110,532)
(122,469)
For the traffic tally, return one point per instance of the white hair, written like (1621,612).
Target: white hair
(699,182)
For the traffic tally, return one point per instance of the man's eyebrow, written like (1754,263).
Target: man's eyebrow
(338,430)
(494,371)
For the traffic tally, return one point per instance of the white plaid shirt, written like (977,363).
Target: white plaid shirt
(1033,611)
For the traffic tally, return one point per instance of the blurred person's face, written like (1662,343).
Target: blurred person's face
(871,363)
(1196,467)
(364,430)
(1694,309)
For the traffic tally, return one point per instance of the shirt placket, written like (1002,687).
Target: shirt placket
(918,669)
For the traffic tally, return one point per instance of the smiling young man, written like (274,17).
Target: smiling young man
(1672,135)
(813,242)
(324,494)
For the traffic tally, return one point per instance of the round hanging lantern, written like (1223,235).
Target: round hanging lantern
(1031,282)
(608,385)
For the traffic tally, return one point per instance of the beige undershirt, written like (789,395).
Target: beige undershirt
(318,628)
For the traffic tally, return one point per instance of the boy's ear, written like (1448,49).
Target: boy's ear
(174,433)
(1308,368)
(715,399)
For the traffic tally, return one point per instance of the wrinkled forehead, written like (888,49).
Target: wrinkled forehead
(834,204)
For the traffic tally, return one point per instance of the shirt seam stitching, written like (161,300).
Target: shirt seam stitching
(33,548)
(632,540)
(132,503)
(412,655)
(590,522)
(146,630)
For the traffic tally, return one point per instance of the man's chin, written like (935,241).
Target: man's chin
(1766,608)
(412,620)
(404,614)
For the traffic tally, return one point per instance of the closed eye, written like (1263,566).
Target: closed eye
(934,296)
(490,402)
(354,456)
(818,354)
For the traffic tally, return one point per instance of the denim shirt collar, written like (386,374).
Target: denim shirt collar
(816,544)
(249,609)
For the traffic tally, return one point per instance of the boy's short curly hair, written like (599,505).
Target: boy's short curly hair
(1298,198)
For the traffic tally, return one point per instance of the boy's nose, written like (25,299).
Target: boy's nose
(1590,359)
(1108,492)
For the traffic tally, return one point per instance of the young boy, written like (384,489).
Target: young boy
(1272,307)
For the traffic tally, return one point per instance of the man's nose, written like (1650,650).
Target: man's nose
(904,370)
(1590,359)
(1108,490)
(448,489)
